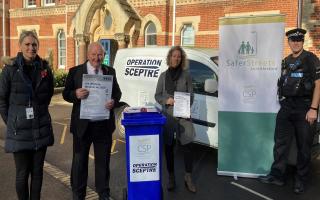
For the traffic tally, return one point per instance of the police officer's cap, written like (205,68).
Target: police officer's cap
(296,34)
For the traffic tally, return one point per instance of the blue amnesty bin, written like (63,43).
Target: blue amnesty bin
(143,128)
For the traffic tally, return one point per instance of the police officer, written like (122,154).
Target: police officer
(299,93)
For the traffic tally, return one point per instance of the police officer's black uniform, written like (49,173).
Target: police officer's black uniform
(295,88)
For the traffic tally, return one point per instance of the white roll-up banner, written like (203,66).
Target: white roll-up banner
(250,54)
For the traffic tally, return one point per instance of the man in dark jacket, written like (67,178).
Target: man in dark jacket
(86,131)
(299,94)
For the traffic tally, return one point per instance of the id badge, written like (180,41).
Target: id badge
(29,113)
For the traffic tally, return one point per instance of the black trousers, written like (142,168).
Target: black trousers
(292,123)
(187,153)
(97,134)
(29,163)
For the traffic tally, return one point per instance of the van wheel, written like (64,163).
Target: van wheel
(119,127)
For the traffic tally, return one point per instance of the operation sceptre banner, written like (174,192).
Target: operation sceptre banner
(250,55)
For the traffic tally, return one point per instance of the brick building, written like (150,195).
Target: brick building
(65,27)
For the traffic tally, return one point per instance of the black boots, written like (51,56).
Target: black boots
(187,181)
(270,179)
(298,187)
(172,182)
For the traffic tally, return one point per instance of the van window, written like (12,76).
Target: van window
(199,73)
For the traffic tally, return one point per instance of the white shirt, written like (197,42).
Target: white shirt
(91,69)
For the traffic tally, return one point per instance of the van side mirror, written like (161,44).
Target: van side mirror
(210,85)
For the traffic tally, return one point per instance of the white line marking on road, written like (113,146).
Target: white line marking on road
(59,103)
(250,190)
(114,142)
(64,178)
(60,123)
(121,141)
(92,157)
(63,134)
(114,152)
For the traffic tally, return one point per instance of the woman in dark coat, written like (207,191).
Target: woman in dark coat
(26,88)
(176,78)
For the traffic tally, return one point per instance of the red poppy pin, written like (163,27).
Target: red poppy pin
(44,73)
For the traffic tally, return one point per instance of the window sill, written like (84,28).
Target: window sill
(32,6)
(50,4)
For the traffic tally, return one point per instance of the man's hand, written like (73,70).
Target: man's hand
(82,93)
(109,104)
(311,116)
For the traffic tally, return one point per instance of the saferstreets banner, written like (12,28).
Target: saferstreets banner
(250,57)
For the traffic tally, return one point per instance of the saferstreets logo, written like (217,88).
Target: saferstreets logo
(248,46)
(246,55)
(246,49)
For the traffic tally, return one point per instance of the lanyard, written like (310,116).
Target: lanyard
(28,82)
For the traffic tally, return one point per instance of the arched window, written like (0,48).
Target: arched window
(108,21)
(61,49)
(187,35)
(150,34)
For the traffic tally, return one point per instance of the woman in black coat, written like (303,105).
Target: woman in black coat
(26,88)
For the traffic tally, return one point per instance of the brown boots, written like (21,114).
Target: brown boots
(189,183)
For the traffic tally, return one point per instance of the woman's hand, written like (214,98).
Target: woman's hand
(170,101)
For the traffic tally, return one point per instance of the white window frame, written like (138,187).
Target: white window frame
(146,34)
(182,36)
(61,66)
(26,3)
(48,4)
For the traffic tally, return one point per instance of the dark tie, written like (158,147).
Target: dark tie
(96,71)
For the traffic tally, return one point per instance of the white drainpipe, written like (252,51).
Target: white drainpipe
(4,27)
(173,21)
(66,34)
(299,23)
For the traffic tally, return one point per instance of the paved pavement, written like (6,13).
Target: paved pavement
(52,189)
(56,183)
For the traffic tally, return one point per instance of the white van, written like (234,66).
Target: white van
(138,70)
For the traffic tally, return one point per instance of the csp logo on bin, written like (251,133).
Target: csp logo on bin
(144,148)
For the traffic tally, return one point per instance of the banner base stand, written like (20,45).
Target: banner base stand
(239,174)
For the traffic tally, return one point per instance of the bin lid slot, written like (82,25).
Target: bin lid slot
(141,109)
